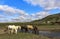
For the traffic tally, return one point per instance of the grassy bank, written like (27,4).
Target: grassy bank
(49,27)
(22,36)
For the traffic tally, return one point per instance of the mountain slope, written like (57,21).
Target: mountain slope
(55,18)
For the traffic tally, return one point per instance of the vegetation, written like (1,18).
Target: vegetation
(51,19)
(21,36)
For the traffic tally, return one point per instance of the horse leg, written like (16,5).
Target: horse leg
(11,31)
(15,31)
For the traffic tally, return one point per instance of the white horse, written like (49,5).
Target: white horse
(13,28)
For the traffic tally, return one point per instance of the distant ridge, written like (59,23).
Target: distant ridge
(49,19)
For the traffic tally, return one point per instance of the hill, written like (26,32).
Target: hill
(51,19)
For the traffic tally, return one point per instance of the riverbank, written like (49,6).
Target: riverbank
(49,27)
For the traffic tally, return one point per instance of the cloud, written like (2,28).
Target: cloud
(2,16)
(47,4)
(11,11)
(28,18)
(40,15)
(20,19)
(23,16)
(8,9)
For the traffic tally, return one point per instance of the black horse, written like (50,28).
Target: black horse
(24,29)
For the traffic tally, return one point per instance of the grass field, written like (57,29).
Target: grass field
(49,27)
(21,35)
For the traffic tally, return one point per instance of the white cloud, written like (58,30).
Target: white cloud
(28,18)
(6,8)
(2,16)
(47,4)
(40,15)
(23,16)
(12,10)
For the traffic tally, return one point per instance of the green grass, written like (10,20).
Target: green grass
(48,27)
(22,36)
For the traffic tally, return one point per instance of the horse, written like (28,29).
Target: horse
(13,29)
(32,29)
(35,30)
(24,28)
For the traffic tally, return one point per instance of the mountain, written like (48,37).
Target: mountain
(51,19)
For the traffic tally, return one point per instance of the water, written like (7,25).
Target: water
(49,34)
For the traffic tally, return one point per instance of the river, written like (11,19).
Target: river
(49,34)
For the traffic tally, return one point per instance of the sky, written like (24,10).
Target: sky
(27,10)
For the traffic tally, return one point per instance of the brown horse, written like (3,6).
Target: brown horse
(32,29)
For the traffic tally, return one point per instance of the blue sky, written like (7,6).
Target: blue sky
(27,10)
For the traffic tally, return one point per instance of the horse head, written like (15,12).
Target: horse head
(18,27)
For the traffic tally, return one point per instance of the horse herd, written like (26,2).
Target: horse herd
(10,29)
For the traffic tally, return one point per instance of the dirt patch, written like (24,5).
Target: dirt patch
(2,31)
